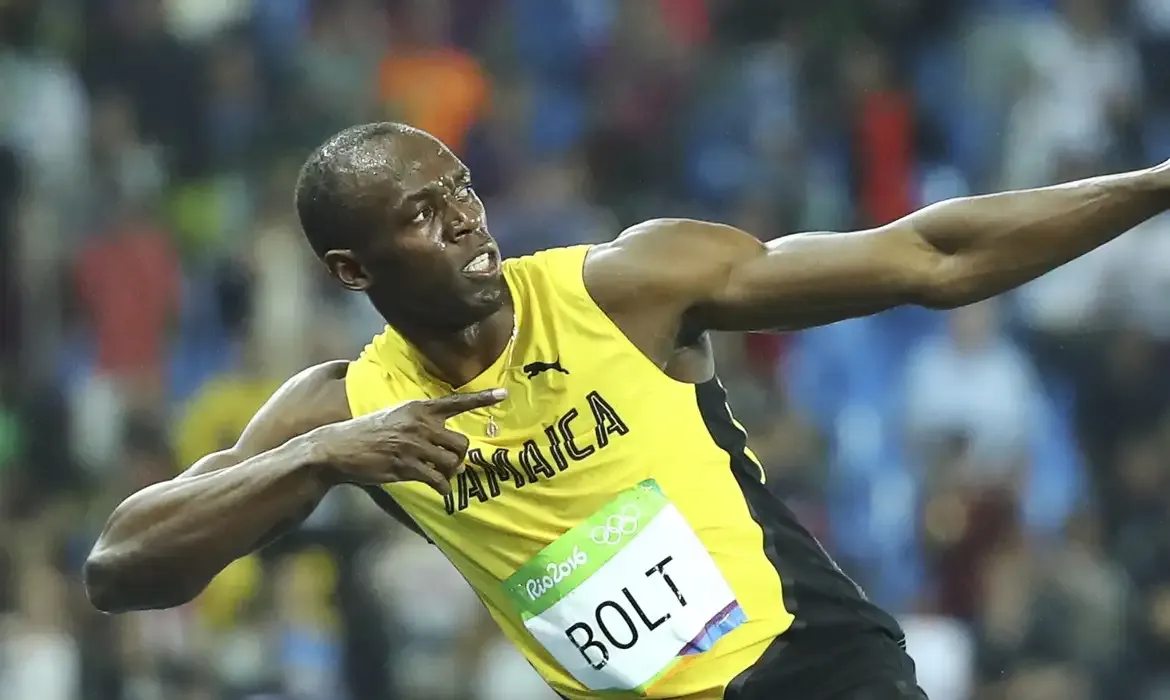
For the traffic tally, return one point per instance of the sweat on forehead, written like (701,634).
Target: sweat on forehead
(333,190)
(377,149)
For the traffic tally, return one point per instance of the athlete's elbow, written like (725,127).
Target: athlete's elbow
(947,297)
(950,282)
(100,575)
(118,584)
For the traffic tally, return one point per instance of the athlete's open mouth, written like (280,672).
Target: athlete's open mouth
(486,263)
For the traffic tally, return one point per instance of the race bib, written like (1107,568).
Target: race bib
(621,597)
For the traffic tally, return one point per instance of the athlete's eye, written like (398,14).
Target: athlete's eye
(424,215)
(465,191)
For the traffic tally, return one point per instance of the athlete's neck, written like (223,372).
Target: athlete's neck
(457,357)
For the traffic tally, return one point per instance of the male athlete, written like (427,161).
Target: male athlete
(554,424)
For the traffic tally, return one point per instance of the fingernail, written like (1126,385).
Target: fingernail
(499,394)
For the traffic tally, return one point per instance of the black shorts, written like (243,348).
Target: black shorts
(820,666)
(824,666)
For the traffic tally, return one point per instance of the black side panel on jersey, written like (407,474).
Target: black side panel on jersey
(816,591)
(387,503)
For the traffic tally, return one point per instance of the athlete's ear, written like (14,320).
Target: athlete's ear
(344,266)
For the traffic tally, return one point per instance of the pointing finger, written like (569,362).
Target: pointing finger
(454,404)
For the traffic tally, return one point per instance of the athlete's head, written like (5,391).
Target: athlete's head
(391,212)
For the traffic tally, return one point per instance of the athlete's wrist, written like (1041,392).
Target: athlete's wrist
(1150,182)
(315,456)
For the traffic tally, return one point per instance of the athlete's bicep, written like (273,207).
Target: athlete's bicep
(811,279)
(709,276)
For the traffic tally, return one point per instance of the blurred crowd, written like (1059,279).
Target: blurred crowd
(996,475)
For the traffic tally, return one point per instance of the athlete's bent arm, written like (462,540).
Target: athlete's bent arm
(700,276)
(163,544)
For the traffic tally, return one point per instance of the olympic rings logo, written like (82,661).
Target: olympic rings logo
(617,527)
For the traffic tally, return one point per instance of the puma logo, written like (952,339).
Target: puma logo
(534,368)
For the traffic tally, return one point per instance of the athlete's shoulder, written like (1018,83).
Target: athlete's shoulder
(315,380)
(311,398)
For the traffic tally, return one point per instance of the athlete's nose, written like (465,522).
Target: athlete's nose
(463,220)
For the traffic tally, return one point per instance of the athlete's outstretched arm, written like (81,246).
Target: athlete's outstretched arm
(165,543)
(707,276)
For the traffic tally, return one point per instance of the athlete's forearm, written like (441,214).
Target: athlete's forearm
(164,544)
(996,242)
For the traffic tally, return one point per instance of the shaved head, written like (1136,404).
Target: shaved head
(341,183)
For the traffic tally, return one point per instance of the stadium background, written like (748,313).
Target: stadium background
(998,475)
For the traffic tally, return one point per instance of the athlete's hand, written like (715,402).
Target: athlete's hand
(408,442)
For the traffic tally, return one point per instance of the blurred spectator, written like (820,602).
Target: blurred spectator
(42,658)
(944,653)
(432,609)
(641,80)
(1140,279)
(234,112)
(977,384)
(1082,86)
(124,166)
(44,111)
(1030,603)
(974,382)
(196,20)
(309,636)
(498,146)
(337,65)
(426,81)
(504,674)
(215,417)
(965,525)
(130,50)
(128,282)
(287,281)
(547,205)
(1122,395)
(882,134)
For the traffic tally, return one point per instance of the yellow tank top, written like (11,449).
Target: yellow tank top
(605,524)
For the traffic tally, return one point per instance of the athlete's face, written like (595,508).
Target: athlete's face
(427,254)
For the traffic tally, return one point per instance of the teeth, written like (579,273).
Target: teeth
(480,263)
